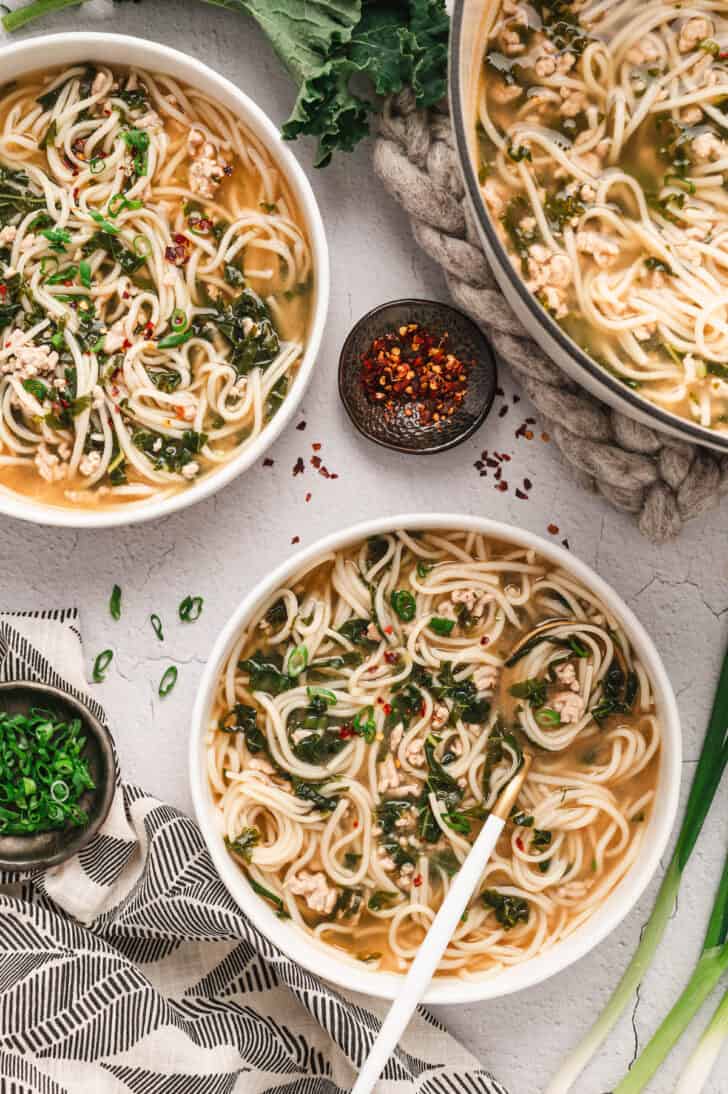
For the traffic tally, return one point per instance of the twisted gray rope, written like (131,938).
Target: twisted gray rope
(662,481)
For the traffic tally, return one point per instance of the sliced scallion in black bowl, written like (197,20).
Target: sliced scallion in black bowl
(57,775)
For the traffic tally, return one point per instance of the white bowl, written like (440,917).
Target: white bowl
(118,49)
(298,945)
(466,45)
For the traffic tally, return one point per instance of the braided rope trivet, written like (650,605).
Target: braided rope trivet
(662,481)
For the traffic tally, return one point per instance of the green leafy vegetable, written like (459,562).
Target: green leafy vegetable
(265,671)
(364,724)
(105,241)
(169,453)
(532,690)
(509,910)
(268,895)
(311,792)
(138,141)
(244,843)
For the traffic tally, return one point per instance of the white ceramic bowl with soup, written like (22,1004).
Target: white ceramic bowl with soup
(365,705)
(164,280)
(591,148)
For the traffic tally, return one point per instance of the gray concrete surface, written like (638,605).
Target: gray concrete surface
(219,548)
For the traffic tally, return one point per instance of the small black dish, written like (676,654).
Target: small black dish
(394,429)
(52,848)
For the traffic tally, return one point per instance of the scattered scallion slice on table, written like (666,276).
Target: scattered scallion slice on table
(169,679)
(101,664)
(707,778)
(115,602)
(157,626)
(190,609)
(43,773)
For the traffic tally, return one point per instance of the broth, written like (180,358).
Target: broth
(373,710)
(156,288)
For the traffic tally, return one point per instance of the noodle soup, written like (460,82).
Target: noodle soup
(156,286)
(603,165)
(374,709)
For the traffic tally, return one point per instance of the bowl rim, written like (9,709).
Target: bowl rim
(49,49)
(614,392)
(345,362)
(346,973)
(95,727)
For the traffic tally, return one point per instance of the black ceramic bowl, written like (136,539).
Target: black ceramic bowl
(52,848)
(394,429)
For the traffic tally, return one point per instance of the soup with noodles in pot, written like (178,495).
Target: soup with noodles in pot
(603,159)
(373,710)
(155,286)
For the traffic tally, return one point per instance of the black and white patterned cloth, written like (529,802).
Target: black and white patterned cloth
(130,968)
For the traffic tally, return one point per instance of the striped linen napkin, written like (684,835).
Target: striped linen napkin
(130,968)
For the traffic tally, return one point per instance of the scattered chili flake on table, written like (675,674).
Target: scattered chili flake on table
(301,425)
(296,539)
(553,529)
(414,370)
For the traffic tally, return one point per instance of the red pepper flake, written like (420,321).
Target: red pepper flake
(296,539)
(521,495)
(268,462)
(345,732)
(485,640)
(316,446)
(149,330)
(413,371)
(565,543)
(502,486)
(527,484)
(126,344)
(387,708)
(503,411)
(299,466)
(553,529)
(519,843)
(333,475)
(417,880)
(308,497)
(545,437)
(3,292)
(390,657)
(355,824)
(516,399)
(316,461)
(301,426)
(388,629)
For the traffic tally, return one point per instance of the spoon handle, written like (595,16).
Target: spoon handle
(428,956)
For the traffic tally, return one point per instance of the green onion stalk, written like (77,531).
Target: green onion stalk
(706,1052)
(712,963)
(708,774)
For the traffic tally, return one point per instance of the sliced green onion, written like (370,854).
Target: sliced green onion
(105,224)
(441,626)
(84,270)
(179,319)
(101,664)
(96,165)
(190,609)
(118,204)
(59,790)
(142,245)
(404,604)
(45,264)
(322,693)
(168,681)
(298,661)
(157,626)
(171,341)
(115,602)
(364,724)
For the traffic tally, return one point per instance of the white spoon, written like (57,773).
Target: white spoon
(435,942)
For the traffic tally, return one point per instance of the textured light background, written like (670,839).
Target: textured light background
(219,548)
